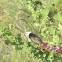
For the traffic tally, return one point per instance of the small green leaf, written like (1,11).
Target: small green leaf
(56,38)
(7,42)
(44,55)
(23,49)
(52,30)
(43,29)
(61,55)
(60,26)
(36,24)
(51,55)
(32,54)
(30,48)
(43,22)
(11,26)
(1,28)
(58,17)
(59,60)
(45,13)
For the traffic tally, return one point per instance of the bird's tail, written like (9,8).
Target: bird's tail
(44,43)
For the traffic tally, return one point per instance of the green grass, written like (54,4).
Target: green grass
(9,10)
(18,17)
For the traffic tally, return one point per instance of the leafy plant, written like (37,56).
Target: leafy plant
(43,18)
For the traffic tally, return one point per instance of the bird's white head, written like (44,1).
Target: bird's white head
(27,34)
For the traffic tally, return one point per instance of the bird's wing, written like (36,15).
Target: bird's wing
(36,40)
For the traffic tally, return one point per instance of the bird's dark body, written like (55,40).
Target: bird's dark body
(34,38)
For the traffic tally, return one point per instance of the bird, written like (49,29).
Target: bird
(34,38)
